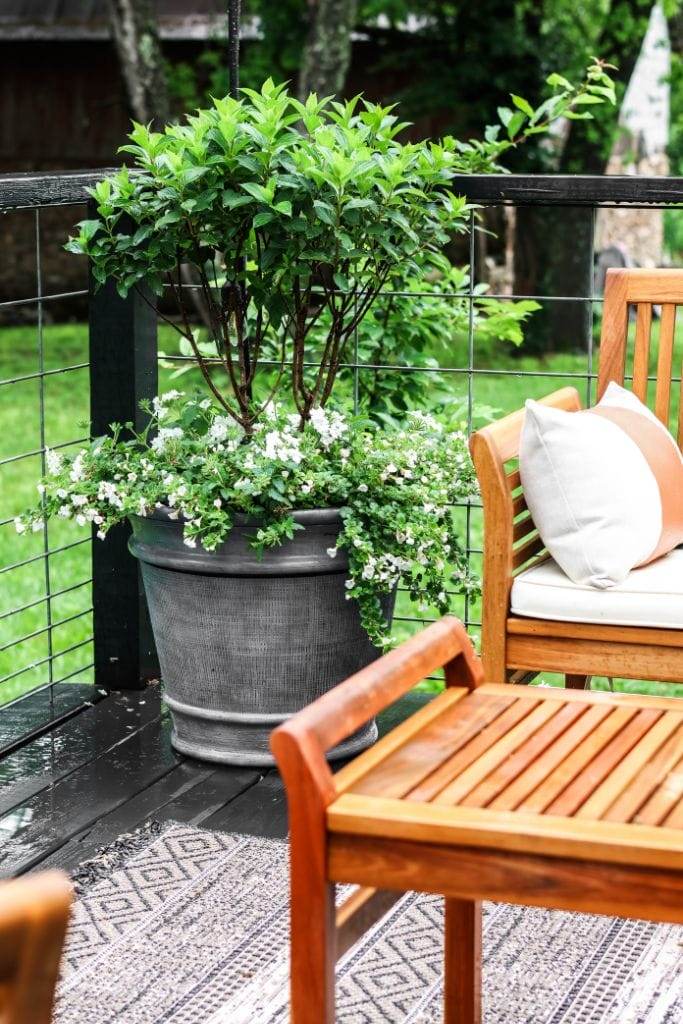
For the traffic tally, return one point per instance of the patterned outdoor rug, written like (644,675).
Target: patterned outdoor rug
(191,928)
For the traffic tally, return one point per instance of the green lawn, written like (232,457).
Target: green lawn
(66,413)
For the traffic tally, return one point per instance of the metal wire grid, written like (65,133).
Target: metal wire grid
(53,671)
(471,511)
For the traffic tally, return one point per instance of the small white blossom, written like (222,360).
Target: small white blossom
(363,488)
(217,503)
(80,519)
(101,534)
(166,434)
(53,461)
(19,525)
(332,552)
(329,426)
(77,468)
(189,542)
(79,500)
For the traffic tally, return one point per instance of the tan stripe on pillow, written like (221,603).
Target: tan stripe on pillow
(666,466)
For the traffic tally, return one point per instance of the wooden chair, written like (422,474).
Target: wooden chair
(34,912)
(515,647)
(540,796)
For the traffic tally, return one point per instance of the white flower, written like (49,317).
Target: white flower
(329,426)
(363,488)
(79,500)
(189,542)
(19,525)
(132,477)
(53,461)
(101,534)
(219,429)
(350,583)
(307,487)
(61,493)
(441,596)
(77,468)
(65,512)
(40,488)
(332,552)
(80,519)
(164,435)
(37,525)
(368,572)
(217,503)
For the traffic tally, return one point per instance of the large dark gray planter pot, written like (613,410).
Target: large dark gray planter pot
(244,643)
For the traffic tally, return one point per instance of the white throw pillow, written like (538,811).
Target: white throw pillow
(604,486)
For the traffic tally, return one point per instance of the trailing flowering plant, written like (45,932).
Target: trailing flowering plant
(393,489)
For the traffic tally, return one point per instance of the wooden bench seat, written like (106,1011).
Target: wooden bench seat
(549,797)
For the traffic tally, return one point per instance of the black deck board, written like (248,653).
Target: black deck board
(45,761)
(111,769)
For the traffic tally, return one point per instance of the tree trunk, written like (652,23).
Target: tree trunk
(327,53)
(136,38)
(554,247)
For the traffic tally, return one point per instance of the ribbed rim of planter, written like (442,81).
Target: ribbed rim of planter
(157,540)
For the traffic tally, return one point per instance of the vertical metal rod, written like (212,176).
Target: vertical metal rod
(356,368)
(589,376)
(234,47)
(41,403)
(470,396)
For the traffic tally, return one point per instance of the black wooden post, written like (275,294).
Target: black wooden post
(123,370)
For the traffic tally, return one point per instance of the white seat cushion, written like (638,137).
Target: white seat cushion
(649,596)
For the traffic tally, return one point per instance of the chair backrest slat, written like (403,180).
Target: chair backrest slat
(641,355)
(652,292)
(664,362)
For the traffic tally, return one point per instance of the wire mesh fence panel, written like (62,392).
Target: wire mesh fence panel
(46,636)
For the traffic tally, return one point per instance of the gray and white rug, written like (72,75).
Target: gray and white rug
(192,929)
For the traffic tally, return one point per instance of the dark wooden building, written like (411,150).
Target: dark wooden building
(63,107)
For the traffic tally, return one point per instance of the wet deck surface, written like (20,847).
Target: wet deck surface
(110,769)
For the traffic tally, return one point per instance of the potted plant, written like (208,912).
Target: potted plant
(272,528)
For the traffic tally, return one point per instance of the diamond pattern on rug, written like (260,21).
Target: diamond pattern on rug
(193,929)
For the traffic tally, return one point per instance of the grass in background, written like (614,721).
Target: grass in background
(66,415)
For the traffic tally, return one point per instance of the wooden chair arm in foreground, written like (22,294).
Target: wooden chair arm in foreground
(34,913)
(539,796)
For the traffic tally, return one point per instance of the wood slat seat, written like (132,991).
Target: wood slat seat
(540,770)
(556,798)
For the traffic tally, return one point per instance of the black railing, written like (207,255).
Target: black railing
(101,611)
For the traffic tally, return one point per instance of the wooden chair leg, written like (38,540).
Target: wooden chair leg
(313,956)
(572,682)
(462,967)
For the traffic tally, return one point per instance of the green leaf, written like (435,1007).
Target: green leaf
(263,218)
(515,123)
(522,105)
(558,81)
(325,212)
